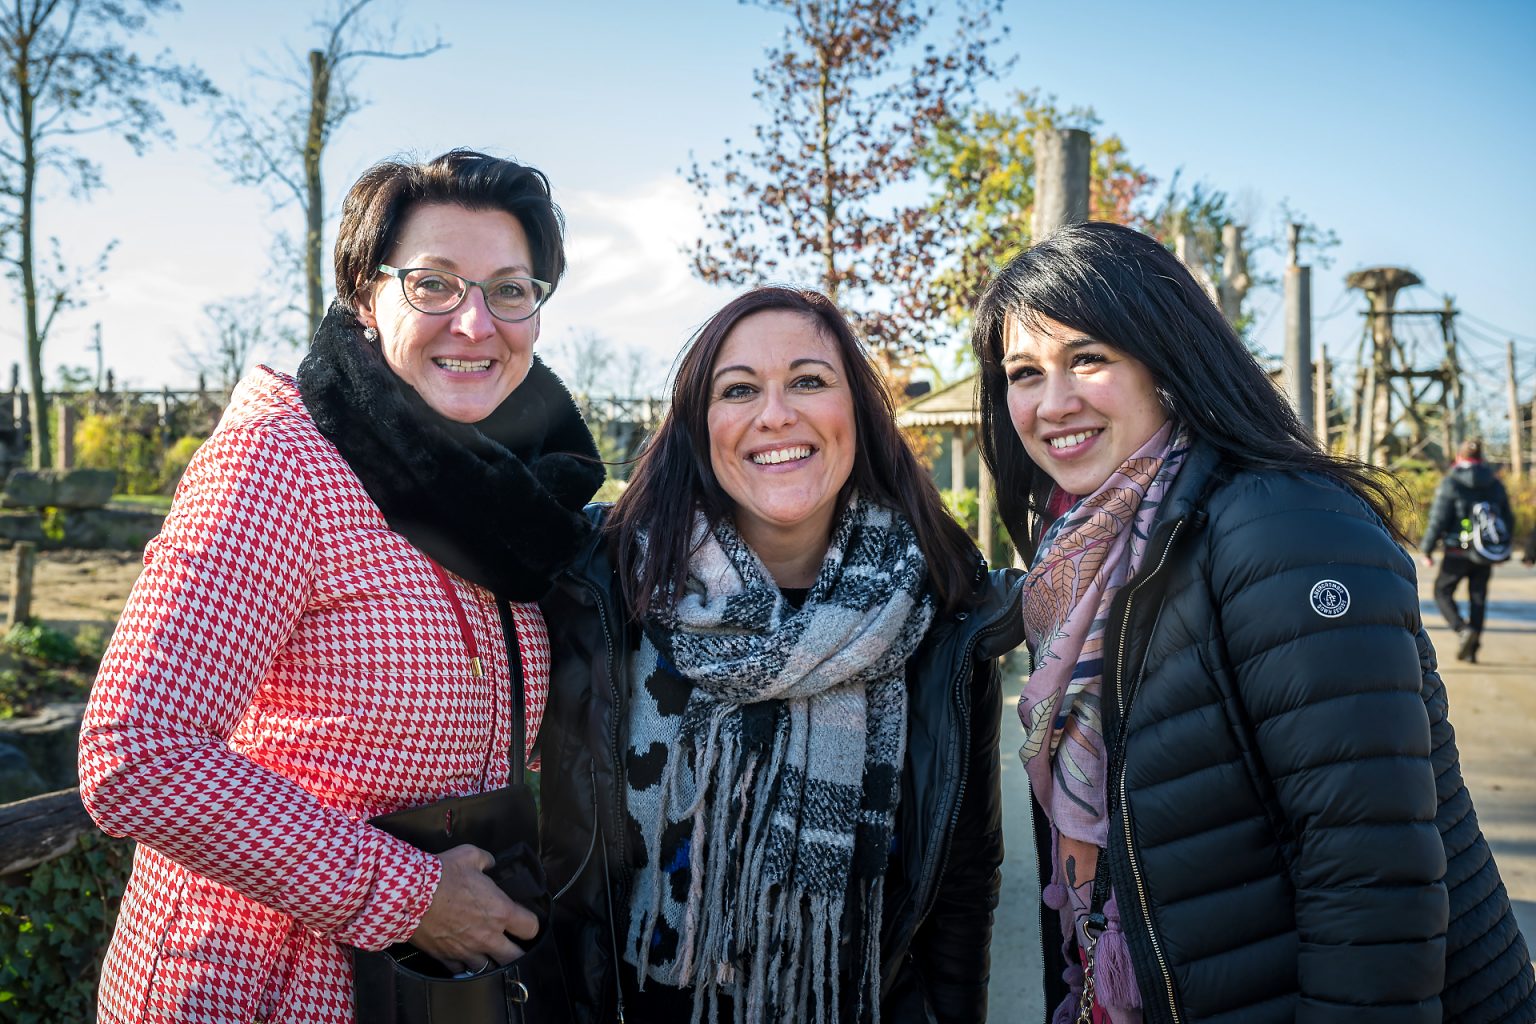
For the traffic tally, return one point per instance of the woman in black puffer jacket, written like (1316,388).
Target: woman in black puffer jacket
(1247,789)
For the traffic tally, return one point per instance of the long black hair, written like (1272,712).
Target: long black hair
(673,477)
(1123,288)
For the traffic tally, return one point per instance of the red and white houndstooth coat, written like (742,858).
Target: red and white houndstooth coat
(286,667)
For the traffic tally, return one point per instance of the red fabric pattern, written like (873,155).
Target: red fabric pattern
(286,666)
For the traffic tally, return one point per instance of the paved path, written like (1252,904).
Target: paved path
(1493,707)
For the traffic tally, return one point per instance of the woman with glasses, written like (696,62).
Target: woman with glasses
(331,622)
(771,784)
(1248,796)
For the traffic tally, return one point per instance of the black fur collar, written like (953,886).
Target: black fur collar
(497,502)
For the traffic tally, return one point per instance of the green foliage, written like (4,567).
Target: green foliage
(54,930)
(51,520)
(35,640)
(174,462)
(981,164)
(133,444)
(965,507)
(42,666)
(129,444)
(91,642)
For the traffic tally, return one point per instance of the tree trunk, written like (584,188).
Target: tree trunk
(314,204)
(828,194)
(42,451)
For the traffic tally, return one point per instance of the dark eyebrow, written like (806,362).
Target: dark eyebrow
(1074,342)
(743,368)
(444,263)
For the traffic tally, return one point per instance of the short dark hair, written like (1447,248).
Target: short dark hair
(1125,289)
(377,204)
(673,477)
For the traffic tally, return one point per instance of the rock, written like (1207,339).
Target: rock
(85,488)
(18,780)
(59,488)
(107,529)
(48,742)
(110,528)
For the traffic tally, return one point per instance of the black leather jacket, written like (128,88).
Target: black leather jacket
(937,922)
(1290,839)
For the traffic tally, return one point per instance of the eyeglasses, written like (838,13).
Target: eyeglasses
(512,299)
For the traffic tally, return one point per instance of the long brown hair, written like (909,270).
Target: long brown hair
(673,477)
(1123,288)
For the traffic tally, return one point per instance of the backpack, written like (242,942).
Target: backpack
(1485,535)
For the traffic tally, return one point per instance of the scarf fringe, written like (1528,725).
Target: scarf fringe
(773,708)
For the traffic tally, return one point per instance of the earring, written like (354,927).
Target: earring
(371,335)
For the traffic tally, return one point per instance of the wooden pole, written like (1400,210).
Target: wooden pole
(984,509)
(1298,333)
(1062,160)
(24,563)
(1516,461)
(1320,398)
(64,454)
(957,462)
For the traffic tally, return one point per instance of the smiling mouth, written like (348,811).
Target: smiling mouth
(781,455)
(1074,439)
(463,365)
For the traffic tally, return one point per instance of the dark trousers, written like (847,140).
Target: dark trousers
(1454,568)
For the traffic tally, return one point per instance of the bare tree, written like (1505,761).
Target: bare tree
(851,95)
(68,71)
(241,329)
(585,358)
(281,147)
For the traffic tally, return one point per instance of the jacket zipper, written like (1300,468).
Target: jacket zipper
(1122,700)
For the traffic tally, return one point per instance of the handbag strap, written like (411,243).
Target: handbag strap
(515,755)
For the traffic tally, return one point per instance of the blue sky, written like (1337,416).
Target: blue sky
(1407,128)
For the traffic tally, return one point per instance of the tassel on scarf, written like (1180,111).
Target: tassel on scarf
(1114,977)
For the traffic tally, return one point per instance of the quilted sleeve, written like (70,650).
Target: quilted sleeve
(223,586)
(1318,613)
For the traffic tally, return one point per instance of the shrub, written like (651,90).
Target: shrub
(128,444)
(54,930)
(36,640)
(174,462)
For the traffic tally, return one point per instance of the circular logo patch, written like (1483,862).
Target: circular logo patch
(1330,599)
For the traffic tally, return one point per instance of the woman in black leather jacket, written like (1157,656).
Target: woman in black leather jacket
(770,777)
(1247,788)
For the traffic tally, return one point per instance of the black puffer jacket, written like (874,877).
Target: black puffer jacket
(1280,762)
(1464,486)
(936,925)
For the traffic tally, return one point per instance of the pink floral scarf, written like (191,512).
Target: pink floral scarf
(1087,555)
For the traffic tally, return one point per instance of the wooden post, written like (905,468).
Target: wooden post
(1298,333)
(1320,399)
(1458,428)
(1062,160)
(1235,281)
(1381,285)
(64,454)
(21,582)
(1516,462)
(984,509)
(957,462)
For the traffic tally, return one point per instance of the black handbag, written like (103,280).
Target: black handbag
(402,984)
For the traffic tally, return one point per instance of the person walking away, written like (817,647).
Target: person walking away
(1453,516)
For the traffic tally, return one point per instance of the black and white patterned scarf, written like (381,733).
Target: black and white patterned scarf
(765,755)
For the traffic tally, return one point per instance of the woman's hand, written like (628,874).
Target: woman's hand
(471,923)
